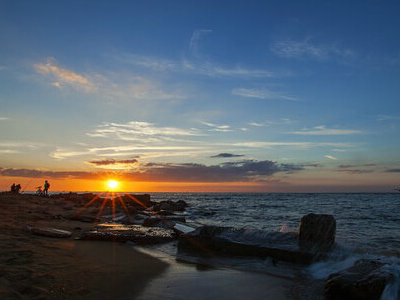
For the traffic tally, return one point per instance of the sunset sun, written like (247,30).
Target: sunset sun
(112,184)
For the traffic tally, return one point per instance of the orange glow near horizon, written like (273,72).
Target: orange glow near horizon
(384,183)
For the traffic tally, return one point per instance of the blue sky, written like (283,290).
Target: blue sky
(297,96)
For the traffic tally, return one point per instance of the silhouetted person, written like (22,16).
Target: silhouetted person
(13,188)
(17,188)
(46,188)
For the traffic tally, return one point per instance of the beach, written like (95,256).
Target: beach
(38,267)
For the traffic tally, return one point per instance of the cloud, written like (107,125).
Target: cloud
(306,49)
(194,40)
(114,86)
(8,151)
(106,162)
(304,145)
(261,94)
(283,121)
(322,130)
(4,118)
(330,157)
(355,171)
(64,76)
(34,173)
(387,118)
(115,164)
(215,127)
(136,130)
(343,166)
(226,155)
(393,170)
(246,170)
(12,147)
(212,70)
(197,67)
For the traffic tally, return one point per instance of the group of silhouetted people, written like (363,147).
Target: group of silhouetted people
(15,188)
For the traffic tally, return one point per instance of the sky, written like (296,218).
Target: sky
(200,96)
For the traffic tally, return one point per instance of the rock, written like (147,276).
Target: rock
(134,233)
(170,205)
(83,218)
(165,213)
(317,232)
(365,280)
(211,240)
(165,222)
(48,232)
(137,201)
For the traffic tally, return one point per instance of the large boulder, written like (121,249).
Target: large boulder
(365,280)
(212,240)
(317,232)
(135,233)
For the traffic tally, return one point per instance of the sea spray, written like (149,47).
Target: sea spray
(392,289)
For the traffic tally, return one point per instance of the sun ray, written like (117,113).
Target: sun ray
(113,206)
(123,205)
(87,204)
(102,208)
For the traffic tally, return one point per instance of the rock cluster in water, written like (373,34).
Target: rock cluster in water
(279,246)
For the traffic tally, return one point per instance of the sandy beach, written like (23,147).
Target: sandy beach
(37,267)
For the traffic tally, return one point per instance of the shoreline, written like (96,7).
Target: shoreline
(37,267)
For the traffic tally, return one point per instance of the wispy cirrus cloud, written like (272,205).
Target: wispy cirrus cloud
(330,157)
(135,130)
(322,130)
(305,48)
(111,86)
(282,121)
(302,145)
(62,76)
(216,127)
(196,67)
(262,94)
(387,118)
(12,147)
(197,35)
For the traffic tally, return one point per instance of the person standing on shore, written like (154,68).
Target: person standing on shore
(13,188)
(46,188)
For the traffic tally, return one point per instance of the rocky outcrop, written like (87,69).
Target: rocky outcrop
(366,280)
(135,233)
(211,240)
(317,232)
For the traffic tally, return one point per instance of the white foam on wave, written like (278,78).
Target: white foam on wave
(322,270)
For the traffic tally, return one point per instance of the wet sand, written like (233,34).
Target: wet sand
(36,267)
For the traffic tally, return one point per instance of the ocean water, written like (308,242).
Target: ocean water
(366,223)
(367,226)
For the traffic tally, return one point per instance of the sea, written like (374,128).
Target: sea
(367,226)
